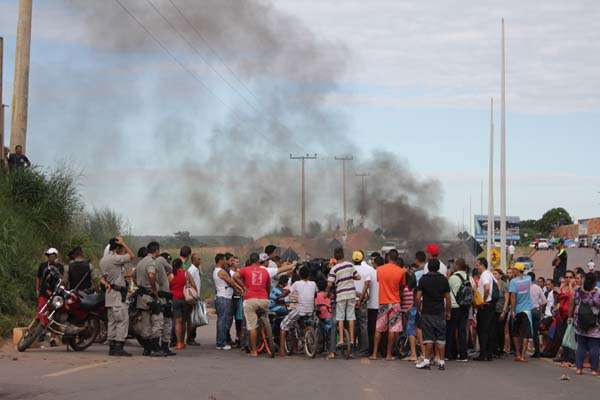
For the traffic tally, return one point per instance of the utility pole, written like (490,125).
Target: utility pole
(363,185)
(344,159)
(491,232)
(303,191)
(18,134)
(503,157)
(1,104)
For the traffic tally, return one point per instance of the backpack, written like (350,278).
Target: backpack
(464,295)
(586,318)
(495,291)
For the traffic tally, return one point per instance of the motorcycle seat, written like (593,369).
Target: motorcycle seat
(92,301)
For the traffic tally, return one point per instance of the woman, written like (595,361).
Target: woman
(586,302)
(179,280)
(501,311)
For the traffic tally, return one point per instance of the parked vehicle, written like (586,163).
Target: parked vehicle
(529,265)
(543,244)
(75,319)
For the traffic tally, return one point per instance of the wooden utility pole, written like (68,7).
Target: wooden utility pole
(344,159)
(1,104)
(363,188)
(303,191)
(18,133)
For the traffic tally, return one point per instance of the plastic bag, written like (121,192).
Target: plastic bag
(199,315)
(569,338)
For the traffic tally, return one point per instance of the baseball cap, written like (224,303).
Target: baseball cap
(263,257)
(433,249)
(51,251)
(357,256)
(519,266)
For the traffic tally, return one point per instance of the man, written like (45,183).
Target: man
(113,267)
(79,273)
(148,328)
(362,286)
(433,303)
(538,302)
(237,304)
(413,330)
(163,322)
(391,279)
(433,253)
(268,262)
(256,284)
(224,286)
(373,302)
(305,291)
(511,253)
(459,314)
(485,312)
(342,276)
(184,254)
(560,263)
(48,275)
(521,306)
(194,271)
(18,159)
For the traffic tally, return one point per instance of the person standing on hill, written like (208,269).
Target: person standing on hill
(17,159)
(560,263)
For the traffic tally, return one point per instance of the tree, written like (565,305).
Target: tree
(552,219)
(314,229)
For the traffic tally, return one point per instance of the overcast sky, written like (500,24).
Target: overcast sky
(418,82)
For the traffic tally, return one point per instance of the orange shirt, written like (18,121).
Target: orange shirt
(390,278)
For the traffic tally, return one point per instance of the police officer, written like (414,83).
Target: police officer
(163,271)
(112,266)
(149,325)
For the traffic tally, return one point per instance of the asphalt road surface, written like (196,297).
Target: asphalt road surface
(576,258)
(206,373)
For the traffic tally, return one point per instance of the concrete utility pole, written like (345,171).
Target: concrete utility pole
(18,134)
(303,191)
(491,217)
(503,158)
(363,188)
(1,103)
(344,159)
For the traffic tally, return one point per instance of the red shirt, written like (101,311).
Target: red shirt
(390,278)
(256,279)
(177,284)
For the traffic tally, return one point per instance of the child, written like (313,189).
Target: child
(323,304)
(276,297)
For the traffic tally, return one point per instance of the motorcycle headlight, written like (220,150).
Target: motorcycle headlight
(57,302)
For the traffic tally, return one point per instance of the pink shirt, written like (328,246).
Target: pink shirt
(323,304)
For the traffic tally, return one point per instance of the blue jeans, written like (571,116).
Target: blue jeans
(587,344)
(224,308)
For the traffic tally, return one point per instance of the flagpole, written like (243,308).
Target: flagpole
(490,230)
(503,255)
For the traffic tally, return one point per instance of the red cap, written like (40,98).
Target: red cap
(433,249)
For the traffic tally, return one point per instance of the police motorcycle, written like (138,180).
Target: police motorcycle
(72,316)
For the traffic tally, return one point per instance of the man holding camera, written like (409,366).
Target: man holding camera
(113,267)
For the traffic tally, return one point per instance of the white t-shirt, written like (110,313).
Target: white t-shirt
(272,270)
(364,272)
(305,292)
(373,302)
(486,279)
(443,269)
(222,287)
(549,304)
(195,274)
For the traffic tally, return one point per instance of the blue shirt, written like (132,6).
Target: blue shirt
(274,306)
(521,286)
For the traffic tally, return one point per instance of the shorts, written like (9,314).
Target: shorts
(251,306)
(434,328)
(344,310)
(411,322)
(389,317)
(179,308)
(520,326)
(291,319)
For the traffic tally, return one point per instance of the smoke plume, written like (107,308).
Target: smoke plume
(233,175)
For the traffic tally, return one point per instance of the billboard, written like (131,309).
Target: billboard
(512,228)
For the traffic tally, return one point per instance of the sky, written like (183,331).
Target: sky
(418,80)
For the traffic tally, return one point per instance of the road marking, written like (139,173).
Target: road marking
(77,369)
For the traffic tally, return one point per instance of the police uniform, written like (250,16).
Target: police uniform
(112,266)
(149,323)
(163,269)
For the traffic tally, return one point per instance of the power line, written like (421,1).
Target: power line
(192,73)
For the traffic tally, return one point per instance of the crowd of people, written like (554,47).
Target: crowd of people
(447,312)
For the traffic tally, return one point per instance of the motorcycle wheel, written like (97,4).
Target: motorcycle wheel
(86,338)
(30,336)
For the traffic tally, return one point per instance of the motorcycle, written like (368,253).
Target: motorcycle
(74,317)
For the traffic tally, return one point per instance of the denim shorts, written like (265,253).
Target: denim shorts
(411,322)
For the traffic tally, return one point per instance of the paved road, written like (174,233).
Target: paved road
(577,258)
(205,373)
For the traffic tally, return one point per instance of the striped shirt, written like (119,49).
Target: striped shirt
(407,300)
(342,275)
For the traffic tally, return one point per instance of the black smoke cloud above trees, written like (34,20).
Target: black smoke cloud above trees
(235,177)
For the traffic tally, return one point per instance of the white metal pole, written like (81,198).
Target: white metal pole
(490,230)
(503,157)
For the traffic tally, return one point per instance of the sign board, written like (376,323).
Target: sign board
(495,257)
(512,228)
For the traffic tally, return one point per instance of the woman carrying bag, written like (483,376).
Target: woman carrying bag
(182,285)
(584,315)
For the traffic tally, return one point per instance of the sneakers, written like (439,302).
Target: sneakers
(226,347)
(442,366)
(423,364)
(460,359)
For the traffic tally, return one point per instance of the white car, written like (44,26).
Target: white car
(543,244)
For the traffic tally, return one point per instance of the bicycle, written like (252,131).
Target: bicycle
(264,336)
